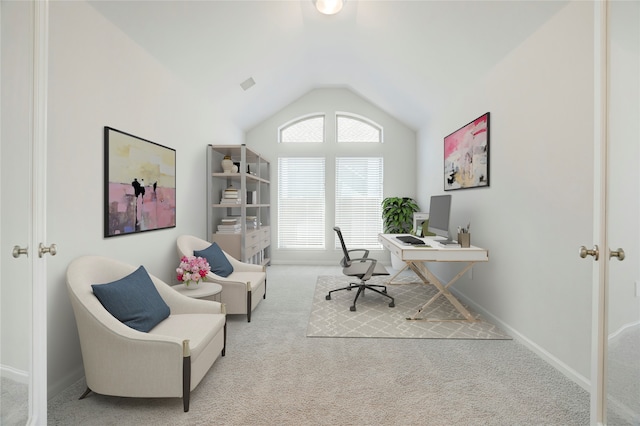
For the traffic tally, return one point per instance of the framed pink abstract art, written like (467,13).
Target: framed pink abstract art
(466,155)
(139,184)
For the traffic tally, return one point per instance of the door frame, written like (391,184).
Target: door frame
(599,329)
(38,363)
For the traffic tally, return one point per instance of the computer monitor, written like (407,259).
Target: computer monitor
(439,211)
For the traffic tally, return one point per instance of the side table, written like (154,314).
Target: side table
(205,290)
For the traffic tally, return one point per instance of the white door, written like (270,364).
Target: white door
(616,355)
(22,196)
(622,377)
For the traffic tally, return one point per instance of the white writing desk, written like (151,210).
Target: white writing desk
(416,258)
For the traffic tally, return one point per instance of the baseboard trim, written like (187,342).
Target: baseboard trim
(54,389)
(14,374)
(569,372)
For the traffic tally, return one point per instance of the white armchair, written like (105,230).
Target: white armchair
(243,289)
(168,361)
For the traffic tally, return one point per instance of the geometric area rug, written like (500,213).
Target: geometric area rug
(375,319)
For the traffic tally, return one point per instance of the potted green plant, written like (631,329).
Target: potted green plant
(397,218)
(397,214)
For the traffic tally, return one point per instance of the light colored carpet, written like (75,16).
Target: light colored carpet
(14,406)
(274,375)
(374,318)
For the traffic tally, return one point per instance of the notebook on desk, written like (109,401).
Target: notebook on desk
(409,239)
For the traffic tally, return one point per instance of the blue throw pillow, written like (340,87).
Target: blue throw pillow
(217,260)
(134,300)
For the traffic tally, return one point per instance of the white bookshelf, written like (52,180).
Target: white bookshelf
(250,244)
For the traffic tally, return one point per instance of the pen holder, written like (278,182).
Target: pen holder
(464,239)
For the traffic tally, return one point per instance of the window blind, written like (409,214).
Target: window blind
(358,208)
(301,203)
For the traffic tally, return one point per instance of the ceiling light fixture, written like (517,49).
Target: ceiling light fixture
(329,7)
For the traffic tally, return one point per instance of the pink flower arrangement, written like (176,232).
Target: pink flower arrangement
(192,269)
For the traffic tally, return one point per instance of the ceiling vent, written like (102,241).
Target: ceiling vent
(247,84)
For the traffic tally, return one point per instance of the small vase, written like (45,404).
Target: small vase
(227,164)
(191,285)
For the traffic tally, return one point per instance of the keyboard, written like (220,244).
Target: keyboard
(409,239)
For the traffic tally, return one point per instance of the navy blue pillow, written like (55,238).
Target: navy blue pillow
(217,260)
(134,300)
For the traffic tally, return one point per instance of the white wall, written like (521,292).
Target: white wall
(398,149)
(98,77)
(538,208)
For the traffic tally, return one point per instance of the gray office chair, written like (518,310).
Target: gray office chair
(363,268)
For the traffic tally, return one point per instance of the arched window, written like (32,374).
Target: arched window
(302,182)
(305,129)
(354,128)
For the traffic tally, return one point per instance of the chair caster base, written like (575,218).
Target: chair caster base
(392,305)
(328,297)
(352,308)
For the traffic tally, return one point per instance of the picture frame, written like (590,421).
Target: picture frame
(466,155)
(139,184)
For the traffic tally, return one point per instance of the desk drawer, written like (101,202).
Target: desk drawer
(395,250)
(252,237)
(252,250)
(265,232)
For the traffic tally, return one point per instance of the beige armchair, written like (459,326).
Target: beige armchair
(243,289)
(167,361)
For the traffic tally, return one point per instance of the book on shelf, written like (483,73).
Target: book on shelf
(230,193)
(232,232)
(230,201)
(229,227)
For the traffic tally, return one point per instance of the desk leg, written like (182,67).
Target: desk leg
(390,281)
(427,276)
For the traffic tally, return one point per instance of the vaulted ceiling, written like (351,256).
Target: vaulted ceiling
(407,57)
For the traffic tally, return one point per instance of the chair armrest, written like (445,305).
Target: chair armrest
(366,252)
(242,266)
(188,305)
(222,280)
(371,268)
(181,304)
(229,281)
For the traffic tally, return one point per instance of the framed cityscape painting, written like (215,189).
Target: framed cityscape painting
(139,184)
(466,155)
